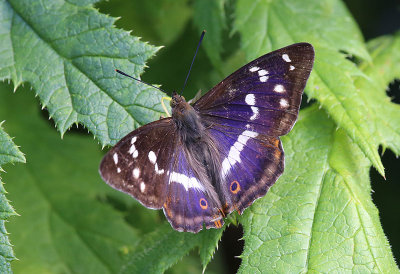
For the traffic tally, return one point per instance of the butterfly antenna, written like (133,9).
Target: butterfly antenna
(194,57)
(123,73)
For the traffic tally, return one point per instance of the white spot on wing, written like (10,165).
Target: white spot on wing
(136,173)
(187,182)
(133,140)
(142,187)
(279,88)
(255,113)
(250,99)
(234,151)
(118,170)
(284,103)
(115,157)
(262,72)
(152,157)
(291,67)
(133,150)
(286,58)
(263,78)
(253,69)
(158,171)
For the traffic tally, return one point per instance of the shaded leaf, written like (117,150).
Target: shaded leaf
(209,15)
(319,216)
(165,26)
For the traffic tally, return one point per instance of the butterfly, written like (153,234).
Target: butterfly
(222,152)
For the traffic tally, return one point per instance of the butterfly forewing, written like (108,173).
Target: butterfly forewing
(138,164)
(265,94)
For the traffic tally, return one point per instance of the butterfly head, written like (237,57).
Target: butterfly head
(177,100)
(179,105)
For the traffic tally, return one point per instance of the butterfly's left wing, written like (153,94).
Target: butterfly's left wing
(152,165)
(247,112)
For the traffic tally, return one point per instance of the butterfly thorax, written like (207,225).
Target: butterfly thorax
(186,119)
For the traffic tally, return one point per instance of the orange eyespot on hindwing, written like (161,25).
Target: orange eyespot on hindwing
(235,187)
(203,203)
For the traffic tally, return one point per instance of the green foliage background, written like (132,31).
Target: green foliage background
(318,217)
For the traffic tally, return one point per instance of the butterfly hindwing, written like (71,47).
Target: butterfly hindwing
(265,94)
(190,201)
(251,163)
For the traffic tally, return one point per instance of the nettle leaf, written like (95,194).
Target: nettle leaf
(9,153)
(385,116)
(209,244)
(319,216)
(210,15)
(164,247)
(267,25)
(64,225)
(159,250)
(68,53)
(165,26)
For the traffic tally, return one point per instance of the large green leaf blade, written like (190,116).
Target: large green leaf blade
(319,216)
(267,25)
(65,226)
(70,62)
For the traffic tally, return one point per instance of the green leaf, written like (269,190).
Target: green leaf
(319,216)
(9,153)
(64,225)
(159,250)
(168,17)
(209,245)
(210,15)
(267,25)
(69,54)
(385,116)
(164,247)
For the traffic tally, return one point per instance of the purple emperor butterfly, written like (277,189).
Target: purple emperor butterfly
(219,154)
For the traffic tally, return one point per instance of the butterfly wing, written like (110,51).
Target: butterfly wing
(137,165)
(265,94)
(251,163)
(246,114)
(152,165)
(191,200)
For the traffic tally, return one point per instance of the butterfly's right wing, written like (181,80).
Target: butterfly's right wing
(152,165)
(137,165)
